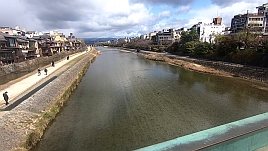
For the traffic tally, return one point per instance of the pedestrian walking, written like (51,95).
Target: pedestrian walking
(6,97)
(45,71)
(52,64)
(67,57)
(39,72)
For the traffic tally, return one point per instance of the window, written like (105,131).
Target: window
(11,42)
(2,45)
(31,44)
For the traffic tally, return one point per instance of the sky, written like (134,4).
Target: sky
(117,18)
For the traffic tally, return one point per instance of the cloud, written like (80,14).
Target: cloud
(165,14)
(174,3)
(102,18)
(207,14)
(225,3)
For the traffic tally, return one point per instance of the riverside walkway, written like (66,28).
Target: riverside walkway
(25,86)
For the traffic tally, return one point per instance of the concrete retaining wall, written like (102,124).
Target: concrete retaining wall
(25,124)
(238,70)
(30,65)
(246,72)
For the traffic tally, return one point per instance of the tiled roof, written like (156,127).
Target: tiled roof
(2,38)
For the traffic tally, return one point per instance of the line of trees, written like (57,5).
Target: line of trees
(222,45)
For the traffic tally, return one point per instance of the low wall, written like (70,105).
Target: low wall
(30,65)
(22,127)
(237,70)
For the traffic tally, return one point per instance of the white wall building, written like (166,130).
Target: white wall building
(207,32)
(31,34)
(151,34)
(17,31)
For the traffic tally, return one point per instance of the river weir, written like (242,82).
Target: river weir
(125,102)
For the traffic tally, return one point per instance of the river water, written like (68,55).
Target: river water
(125,102)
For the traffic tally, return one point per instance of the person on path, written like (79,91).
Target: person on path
(67,57)
(45,71)
(6,97)
(52,64)
(39,72)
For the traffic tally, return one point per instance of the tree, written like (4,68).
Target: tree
(202,48)
(265,45)
(189,36)
(245,39)
(225,45)
(189,47)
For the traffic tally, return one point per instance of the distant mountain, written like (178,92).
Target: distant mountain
(96,40)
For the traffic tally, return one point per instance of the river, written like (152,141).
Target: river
(125,102)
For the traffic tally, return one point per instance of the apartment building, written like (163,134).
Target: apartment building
(208,31)
(254,22)
(167,36)
(6,30)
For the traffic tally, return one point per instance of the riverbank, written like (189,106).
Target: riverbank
(186,65)
(22,127)
(257,76)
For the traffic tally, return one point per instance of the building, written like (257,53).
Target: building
(31,34)
(6,30)
(254,22)
(208,31)
(17,31)
(151,34)
(166,36)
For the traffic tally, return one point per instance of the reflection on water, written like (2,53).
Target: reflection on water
(125,102)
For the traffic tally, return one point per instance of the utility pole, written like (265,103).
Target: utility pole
(247,28)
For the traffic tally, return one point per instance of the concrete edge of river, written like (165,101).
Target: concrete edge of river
(254,74)
(257,77)
(22,127)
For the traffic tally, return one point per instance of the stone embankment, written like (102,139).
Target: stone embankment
(30,65)
(22,127)
(212,67)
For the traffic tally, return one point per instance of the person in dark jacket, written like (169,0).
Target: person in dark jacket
(45,71)
(6,97)
(52,64)
(39,72)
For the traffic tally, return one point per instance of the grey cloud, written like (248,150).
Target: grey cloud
(165,2)
(84,18)
(225,3)
(56,13)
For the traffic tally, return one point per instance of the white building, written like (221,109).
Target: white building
(31,34)
(151,34)
(207,32)
(17,31)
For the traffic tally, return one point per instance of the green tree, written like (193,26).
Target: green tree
(189,36)
(202,48)
(245,39)
(265,46)
(189,47)
(225,45)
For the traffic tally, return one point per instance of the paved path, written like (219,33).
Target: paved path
(32,81)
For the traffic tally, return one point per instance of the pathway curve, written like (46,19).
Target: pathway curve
(25,85)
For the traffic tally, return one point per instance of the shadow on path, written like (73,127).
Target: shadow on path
(26,96)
